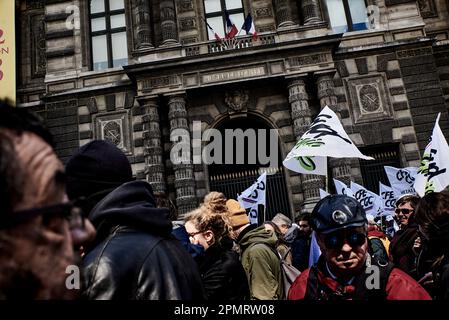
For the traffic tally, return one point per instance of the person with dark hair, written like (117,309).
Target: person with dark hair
(301,244)
(39,229)
(345,270)
(402,252)
(134,255)
(432,217)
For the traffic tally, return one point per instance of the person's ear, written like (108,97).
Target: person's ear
(209,236)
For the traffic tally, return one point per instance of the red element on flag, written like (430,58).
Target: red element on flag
(230,26)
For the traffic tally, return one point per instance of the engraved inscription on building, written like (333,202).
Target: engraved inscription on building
(234,74)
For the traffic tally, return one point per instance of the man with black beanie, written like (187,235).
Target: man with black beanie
(134,256)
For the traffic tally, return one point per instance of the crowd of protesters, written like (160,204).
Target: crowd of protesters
(128,244)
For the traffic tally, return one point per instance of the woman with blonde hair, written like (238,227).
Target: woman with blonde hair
(221,271)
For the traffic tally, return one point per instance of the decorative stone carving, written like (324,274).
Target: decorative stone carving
(187,24)
(302,118)
(427,8)
(38,45)
(326,94)
(168,22)
(115,129)
(310,11)
(237,100)
(283,13)
(264,12)
(141,15)
(184,179)
(369,98)
(154,170)
(185,5)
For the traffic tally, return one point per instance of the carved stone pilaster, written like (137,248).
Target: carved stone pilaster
(341,168)
(326,91)
(154,169)
(310,11)
(184,178)
(141,16)
(302,118)
(299,103)
(283,13)
(168,22)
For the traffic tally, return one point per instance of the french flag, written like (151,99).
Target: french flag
(248,26)
(231,28)
(217,37)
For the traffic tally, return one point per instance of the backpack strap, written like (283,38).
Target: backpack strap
(380,293)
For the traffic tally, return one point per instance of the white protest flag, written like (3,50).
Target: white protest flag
(401,179)
(370,201)
(252,197)
(342,188)
(325,138)
(323,194)
(433,175)
(388,199)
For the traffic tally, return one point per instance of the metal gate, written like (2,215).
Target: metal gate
(233,183)
(373,170)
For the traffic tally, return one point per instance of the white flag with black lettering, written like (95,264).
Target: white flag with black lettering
(370,201)
(433,174)
(388,199)
(401,179)
(342,188)
(254,196)
(325,138)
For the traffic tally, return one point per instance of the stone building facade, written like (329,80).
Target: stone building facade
(386,80)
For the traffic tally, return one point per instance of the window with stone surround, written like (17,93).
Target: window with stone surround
(347,15)
(108,34)
(215,15)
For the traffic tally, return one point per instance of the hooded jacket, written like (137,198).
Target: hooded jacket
(261,264)
(135,256)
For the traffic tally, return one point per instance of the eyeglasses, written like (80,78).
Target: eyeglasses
(193,234)
(336,240)
(70,211)
(404,211)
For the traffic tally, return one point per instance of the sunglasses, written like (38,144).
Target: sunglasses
(70,211)
(404,211)
(336,240)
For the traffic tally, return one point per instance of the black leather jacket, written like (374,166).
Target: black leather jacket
(135,256)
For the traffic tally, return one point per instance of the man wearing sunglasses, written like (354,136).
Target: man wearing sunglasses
(345,270)
(38,227)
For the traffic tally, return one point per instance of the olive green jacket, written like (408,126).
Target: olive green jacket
(261,264)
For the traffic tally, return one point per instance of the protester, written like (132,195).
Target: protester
(301,244)
(432,216)
(221,271)
(135,256)
(282,248)
(344,266)
(283,222)
(377,240)
(39,229)
(259,258)
(401,250)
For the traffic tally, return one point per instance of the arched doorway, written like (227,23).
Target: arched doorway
(232,179)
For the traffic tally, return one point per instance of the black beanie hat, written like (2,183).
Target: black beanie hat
(97,166)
